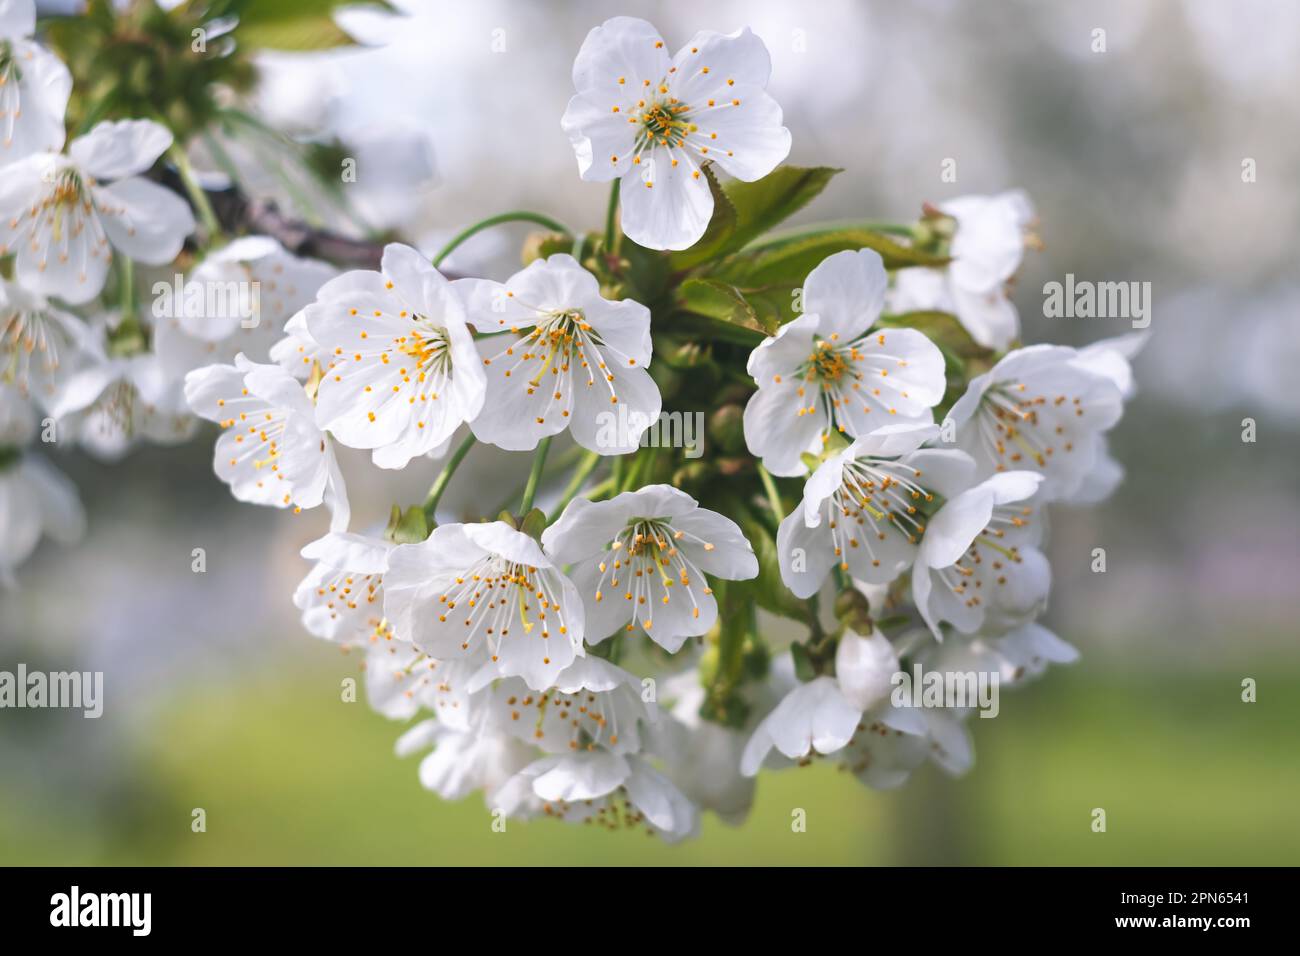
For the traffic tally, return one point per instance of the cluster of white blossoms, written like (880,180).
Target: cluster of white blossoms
(86,360)
(637,654)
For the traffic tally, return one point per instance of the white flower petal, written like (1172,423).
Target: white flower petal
(846,292)
(665,206)
(144,220)
(115,149)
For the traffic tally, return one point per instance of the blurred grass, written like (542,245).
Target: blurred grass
(288,774)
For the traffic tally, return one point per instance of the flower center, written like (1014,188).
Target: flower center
(29,345)
(876,497)
(663,123)
(345,593)
(826,364)
(495,594)
(646,550)
(966,578)
(550,348)
(68,189)
(1017,426)
(431,349)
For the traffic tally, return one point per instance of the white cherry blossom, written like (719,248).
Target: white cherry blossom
(986,249)
(238,299)
(829,369)
(1038,409)
(1112,359)
(41,346)
(342,598)
(403,370)
(592,704)
(864,668)
(609,790)
(1015,656)
(34,87)
(880,745)
(558,355)
(642,559)
(475,586)
(270,451)
(814,716)
(401,680)
(62,222)
(864,508)
(463,762)
(297,352)
(111,402)
(653,122)
(979,567)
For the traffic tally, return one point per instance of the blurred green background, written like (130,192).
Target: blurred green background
(289,774)
(217,699)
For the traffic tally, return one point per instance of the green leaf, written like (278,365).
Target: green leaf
(707,329)
(789,263)
(744,211)
(308,33)
(409,527)
(646,272)
(942,328)
(722,301)
(534,523)
(290,24)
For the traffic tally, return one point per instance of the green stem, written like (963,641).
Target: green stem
(534,476)
(518,215)
(449,469)
(610,215)
(773,495)
(589,463)
(195,191)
